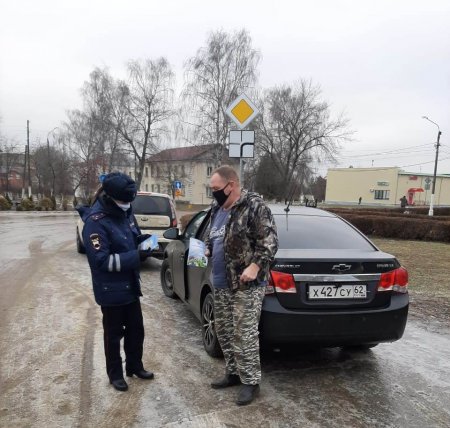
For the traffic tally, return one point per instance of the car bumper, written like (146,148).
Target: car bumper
(333,328)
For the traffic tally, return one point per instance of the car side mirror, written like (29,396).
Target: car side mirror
(171,233)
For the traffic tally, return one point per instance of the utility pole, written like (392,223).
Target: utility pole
(29,160)
(52,191)
(24,178)
(431,212)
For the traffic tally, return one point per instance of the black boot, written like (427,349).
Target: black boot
(247,394)
(141,374)
(226,381)
(119,384)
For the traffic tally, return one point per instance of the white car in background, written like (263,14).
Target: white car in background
(154,212)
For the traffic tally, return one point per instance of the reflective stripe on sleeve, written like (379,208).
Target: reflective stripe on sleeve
(110,264)
(117,262)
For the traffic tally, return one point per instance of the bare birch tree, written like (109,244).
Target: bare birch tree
(214,77)
(295,127)
(97,95)
(79,140)
(143,106)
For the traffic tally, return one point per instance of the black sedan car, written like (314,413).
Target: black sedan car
(329,284)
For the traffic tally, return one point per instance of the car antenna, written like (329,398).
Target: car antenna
(291,197)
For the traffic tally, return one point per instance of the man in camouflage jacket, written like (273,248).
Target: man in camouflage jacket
(241,242)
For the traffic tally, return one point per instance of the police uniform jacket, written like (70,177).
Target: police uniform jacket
(110,237)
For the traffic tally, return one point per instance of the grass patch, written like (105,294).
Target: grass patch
(428,265)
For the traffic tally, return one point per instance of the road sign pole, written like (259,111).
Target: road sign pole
(241,111)
(241,178)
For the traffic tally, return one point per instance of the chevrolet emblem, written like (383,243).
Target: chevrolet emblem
(341,267)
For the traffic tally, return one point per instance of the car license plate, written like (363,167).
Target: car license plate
(332,291)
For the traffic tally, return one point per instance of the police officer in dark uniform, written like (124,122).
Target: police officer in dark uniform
(112,237)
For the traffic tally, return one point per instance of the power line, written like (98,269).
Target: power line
(396,153)
(410,154)
(393,151)
(423,163)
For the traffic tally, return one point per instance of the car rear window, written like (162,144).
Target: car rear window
(156,205)
(318,232)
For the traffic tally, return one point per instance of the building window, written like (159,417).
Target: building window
(152,171)
(209,192)
(209,171)
(146,171)
(382,194)
(155,188)
(146,187)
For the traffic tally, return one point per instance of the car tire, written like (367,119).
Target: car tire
(167,280)
(80,246)
(209,336)
(360,347)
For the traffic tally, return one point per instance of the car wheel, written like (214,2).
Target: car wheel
(167,280)
(80,246)
(210,341)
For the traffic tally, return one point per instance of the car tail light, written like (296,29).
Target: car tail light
(395,280)
(282,283)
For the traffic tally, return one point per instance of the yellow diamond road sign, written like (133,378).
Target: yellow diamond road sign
(242,111)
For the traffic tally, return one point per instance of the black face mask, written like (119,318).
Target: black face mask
(220,196)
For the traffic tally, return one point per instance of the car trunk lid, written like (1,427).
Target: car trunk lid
(326,281)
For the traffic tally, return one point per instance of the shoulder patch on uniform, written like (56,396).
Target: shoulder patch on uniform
(98,216)
(95,241)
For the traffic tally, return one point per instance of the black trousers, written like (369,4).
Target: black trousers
(123,321)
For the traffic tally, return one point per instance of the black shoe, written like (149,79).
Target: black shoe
(142,374)
(247,394)
(119,384)
(228,380)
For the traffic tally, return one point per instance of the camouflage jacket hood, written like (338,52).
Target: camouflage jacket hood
(250,237)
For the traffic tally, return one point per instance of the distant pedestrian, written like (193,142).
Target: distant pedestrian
(403,201)
(359,200)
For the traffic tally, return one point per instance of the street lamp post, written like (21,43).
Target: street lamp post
(430,212)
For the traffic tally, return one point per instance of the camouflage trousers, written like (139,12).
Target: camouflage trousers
(237,316)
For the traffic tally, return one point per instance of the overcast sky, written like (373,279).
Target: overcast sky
(384,63)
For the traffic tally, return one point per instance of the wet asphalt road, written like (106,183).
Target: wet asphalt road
(52,364)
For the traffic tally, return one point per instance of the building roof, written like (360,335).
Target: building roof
(400,171)
(4,170)
(423,174)
(184,153)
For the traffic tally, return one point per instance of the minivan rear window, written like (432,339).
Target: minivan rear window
(156,205)
(318,232)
